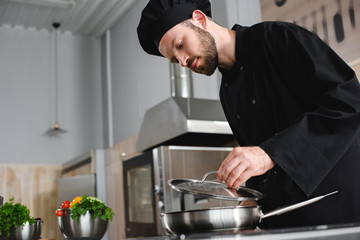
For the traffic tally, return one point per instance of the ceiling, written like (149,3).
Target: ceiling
(81,17)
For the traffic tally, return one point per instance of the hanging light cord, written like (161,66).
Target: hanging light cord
(56,26)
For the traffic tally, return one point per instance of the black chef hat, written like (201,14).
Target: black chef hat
(160,15)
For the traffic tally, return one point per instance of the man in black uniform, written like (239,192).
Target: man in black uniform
(292,103)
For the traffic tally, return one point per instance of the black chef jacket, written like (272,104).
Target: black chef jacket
(293,96)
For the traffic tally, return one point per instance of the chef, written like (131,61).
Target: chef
(292,103)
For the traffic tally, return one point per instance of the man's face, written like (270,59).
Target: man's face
(191,46)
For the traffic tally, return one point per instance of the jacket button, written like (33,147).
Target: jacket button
(241,68)
(238,116)
(253,101)
(226,84)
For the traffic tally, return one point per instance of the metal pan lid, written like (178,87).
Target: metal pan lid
(213,189)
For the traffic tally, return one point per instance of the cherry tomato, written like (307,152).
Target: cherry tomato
(59,213)
(66,204)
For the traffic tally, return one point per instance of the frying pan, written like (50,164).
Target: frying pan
(223,218)
(338,24)
(279,3)
(352,14)
(324,23)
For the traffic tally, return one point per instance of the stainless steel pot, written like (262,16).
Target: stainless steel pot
(223,218)
(213,189)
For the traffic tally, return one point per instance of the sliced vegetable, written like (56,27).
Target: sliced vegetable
(75,201)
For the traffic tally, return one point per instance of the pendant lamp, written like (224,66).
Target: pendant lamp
(55,130)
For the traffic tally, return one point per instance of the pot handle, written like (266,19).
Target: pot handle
(295,206)
(208,174)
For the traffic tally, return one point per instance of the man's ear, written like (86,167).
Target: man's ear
(199,18)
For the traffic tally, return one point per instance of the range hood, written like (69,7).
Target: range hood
(182,119)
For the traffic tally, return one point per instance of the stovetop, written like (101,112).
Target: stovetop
(322,232)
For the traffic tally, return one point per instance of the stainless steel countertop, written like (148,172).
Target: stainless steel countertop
(323,232)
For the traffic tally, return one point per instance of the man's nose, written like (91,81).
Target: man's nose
(184,61)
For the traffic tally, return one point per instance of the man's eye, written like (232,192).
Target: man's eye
(180,45)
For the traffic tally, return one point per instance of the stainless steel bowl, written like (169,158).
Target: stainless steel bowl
(87,227)
(27,232)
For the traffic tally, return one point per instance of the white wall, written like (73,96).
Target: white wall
(27,96)
(140,81)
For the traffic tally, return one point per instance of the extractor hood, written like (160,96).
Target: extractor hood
(182,119)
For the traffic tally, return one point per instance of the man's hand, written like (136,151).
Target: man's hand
(243,163)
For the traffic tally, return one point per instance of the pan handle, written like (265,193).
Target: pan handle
(295,206)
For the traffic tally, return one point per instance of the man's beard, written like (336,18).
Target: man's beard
(208,50)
